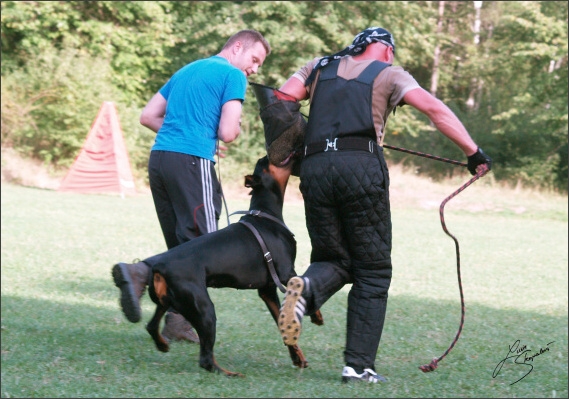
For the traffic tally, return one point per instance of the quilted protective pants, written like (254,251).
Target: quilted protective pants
(346,198)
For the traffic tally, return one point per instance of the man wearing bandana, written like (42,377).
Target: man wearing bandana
(345,185)
(199,105)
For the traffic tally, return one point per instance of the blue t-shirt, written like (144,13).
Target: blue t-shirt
(195,95)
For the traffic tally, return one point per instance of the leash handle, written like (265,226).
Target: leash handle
(482,170)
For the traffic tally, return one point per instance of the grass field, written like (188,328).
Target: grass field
(63,334)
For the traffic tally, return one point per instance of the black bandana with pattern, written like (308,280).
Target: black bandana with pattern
(359,44)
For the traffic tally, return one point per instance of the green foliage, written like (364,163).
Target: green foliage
(530,117)
(132,35)
(510,91)
(59,93)
(509,87)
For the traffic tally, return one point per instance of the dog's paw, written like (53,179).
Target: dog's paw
(301,364)
(163,347)
(317,318)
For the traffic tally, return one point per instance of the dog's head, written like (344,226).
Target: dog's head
(261,177)
(267,179)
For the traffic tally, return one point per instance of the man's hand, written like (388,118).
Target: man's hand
(477,159)
(218,150)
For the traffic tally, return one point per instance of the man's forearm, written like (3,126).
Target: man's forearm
(153,124)
(449,125)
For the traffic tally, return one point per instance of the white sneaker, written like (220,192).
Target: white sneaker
(349,374)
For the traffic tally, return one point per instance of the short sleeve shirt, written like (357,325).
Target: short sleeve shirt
(195,95)
(389,87)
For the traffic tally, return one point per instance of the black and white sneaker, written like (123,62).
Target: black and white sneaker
(292,311)
(349,374)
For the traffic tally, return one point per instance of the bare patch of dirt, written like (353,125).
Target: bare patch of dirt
(28,172)
(407,189)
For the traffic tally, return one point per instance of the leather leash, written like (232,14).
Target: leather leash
(483,169)
(266,253)
(421,154)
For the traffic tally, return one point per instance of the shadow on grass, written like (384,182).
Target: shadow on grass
(69,349)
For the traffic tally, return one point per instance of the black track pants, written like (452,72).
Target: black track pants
(186,194)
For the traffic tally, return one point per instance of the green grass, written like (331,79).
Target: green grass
(63,334)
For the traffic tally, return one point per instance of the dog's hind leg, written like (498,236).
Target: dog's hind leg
(158,293)
(271,299)
(153,329)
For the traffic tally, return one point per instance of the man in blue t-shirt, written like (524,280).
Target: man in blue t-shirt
(199,105)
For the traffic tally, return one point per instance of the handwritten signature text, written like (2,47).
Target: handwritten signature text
(521,355)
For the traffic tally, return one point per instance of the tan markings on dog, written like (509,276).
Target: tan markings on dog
(225,371)
(160,287)
(281,175)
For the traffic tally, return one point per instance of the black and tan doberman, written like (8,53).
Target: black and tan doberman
(231,257)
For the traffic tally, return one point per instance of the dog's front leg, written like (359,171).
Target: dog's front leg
(317,318)
(193,302)
(297,356)
(206,330)
(271,299)
(219,369)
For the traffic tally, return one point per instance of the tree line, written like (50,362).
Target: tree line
(500,65)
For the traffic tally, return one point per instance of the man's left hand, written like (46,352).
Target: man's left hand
(477,159)
(219,150)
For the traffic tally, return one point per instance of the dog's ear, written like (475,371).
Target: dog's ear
(253,181)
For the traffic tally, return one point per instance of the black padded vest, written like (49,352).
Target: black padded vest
(340,107)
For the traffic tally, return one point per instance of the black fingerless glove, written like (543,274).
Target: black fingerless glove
(478,158)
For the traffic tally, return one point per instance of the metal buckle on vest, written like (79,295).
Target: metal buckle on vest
(370,146)
(331,145)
